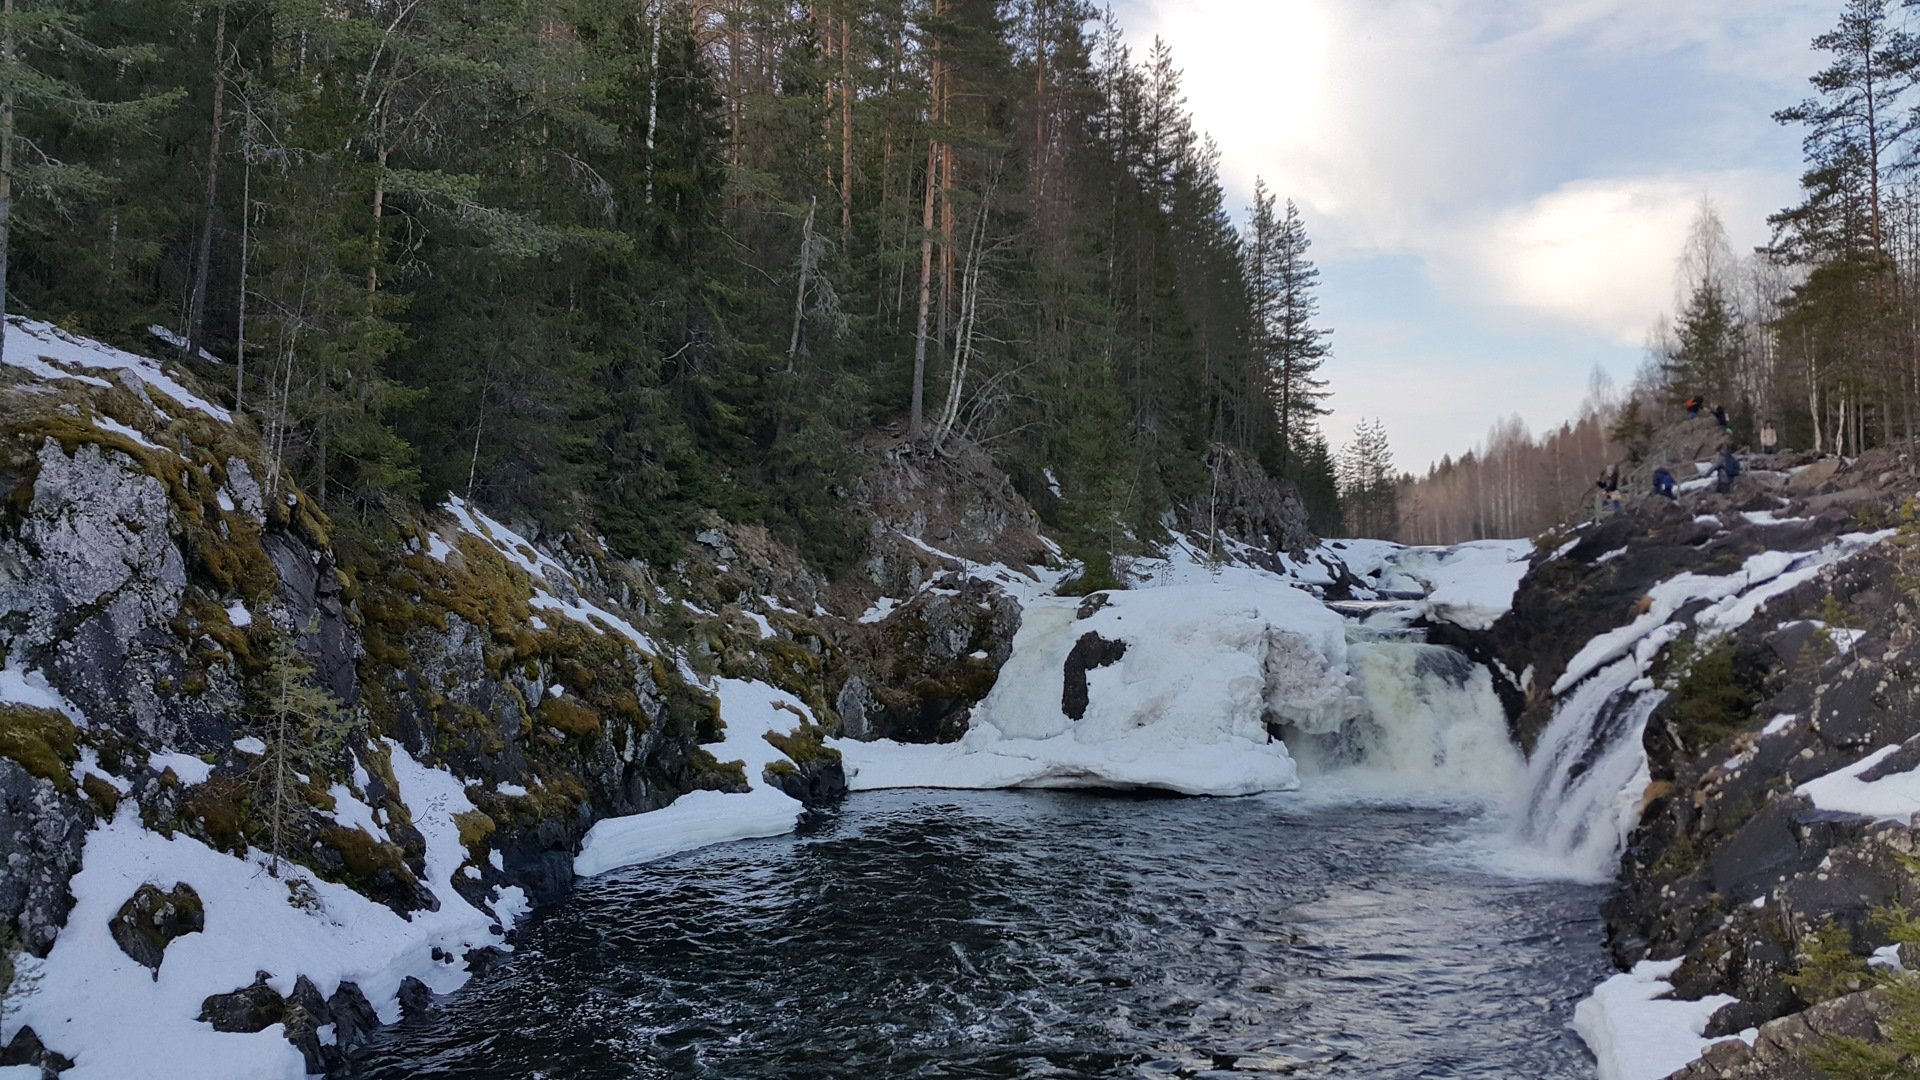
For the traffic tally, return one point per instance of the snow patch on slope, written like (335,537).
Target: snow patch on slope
(88,1000)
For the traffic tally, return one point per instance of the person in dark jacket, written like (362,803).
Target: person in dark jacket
(1693,407)
(1720,417)
(1663,482)
(1609,485)
(1725,468)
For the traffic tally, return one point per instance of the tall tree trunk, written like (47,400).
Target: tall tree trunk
(846,134)
(203,253)
(917,416)
(800,292)
(379,210)
(7,60)
(240,336)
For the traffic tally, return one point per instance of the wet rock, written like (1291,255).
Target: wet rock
(816,782)
(150,920)
(1090,652)
(353,1016)
(415,997)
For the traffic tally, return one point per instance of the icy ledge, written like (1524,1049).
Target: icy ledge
(1638,1032)
(1179,685)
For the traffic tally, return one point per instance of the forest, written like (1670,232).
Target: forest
(1816,333)
(619,265)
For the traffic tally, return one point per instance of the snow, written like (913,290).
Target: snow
(177,342)
(1469,585)
(1636,1031)
(1887,957)
(750,711)
(48,352)
(108,423)
(437,548)
(1183,709)
(511,791)
(881,608)
(191,770)
(238,614)
(350,811)
(1890,798)
(760,622)
(19,686)
(250,745)
(1778,724)
(89,1001)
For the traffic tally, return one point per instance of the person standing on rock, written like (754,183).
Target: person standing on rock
(1769,438)
(1693,407)
(1663,482)
(1725,468)
(1720,418)
(1609,485)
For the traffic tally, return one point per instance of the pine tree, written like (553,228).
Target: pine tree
(38,42)
(303,727)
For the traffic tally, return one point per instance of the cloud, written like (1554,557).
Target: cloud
(1596,255)
(1542,157)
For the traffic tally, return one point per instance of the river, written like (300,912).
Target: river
(1041,934)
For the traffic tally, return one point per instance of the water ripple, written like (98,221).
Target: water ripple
(1003,935)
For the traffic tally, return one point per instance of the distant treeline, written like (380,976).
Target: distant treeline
(628,262)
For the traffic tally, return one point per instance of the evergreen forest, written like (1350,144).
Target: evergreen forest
(628,264)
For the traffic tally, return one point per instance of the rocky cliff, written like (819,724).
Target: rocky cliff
(1768,636)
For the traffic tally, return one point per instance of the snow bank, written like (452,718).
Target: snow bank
(1895,797)
(751,711)
(1469,585)
(1183,708)
(1637,1032)
(1735,597)
(88,1000)
(47,352)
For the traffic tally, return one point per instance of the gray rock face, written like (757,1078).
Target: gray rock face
(41,832)
(95,571)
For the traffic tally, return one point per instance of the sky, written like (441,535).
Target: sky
(1497,190)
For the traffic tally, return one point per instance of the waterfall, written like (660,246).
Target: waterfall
(1587,778)
(1432,726)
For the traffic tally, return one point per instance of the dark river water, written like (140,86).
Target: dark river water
(1025,934)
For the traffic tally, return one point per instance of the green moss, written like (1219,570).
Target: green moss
(475,827)
(803,745)
(570,716)
(218,811)
(43,741)
(101,795)
(365,861)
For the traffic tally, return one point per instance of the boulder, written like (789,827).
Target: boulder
(150,920)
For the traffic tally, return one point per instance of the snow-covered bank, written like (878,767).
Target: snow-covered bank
(752,711)
(92,1002)
(1637,1031)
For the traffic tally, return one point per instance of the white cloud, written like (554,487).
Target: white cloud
(1596,255)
